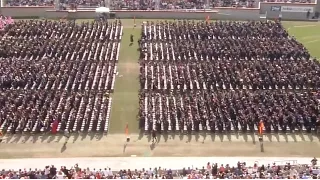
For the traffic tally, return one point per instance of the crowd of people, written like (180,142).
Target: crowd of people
(5,21)
(226,76)
(79,3)
(289,1)
(209,171)
(140,5)
(152,4)
(34,111)
(57,72)
(226,111)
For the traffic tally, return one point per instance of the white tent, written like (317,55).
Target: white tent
(102,10)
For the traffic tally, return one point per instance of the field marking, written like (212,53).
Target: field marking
(310,37)
(313,41)
(302,26)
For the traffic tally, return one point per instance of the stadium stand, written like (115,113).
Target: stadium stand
(57,74)
(29,3)
(140,5)
(289,1)
(226,76)
(241,170)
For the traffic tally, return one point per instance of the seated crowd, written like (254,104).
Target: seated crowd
(5,21)
(79,3)
(57,71)
(229,110)
(152,5)
(140,5)
(210,171)
(29,2)
(226,76)
(289,1)
(36,110)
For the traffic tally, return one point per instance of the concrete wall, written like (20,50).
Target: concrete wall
(266,7)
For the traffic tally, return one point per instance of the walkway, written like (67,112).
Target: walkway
(114,145)
(124,108)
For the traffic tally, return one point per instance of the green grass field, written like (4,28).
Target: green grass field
(125,98)
(308,33)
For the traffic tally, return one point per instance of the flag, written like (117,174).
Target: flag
(55,126)
(10,20)
(207,18)
(261,126)
(127,130)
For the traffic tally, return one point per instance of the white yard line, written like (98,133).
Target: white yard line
(313,41)
(302,26)
(311,37)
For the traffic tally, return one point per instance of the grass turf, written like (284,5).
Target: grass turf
(308,33)
(125,100)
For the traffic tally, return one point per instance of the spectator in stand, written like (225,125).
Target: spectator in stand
(142,4)
(289,1)
(30,2)
(211,171)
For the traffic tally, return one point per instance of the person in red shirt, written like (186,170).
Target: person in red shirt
(221,169)
(98,176)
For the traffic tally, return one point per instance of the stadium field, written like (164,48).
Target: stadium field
(124,110)
(125,98)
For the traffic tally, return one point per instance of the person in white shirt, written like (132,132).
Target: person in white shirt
(110,172)
(60,175)
(92,177)
(150,171)
(47,171)
(105,172)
